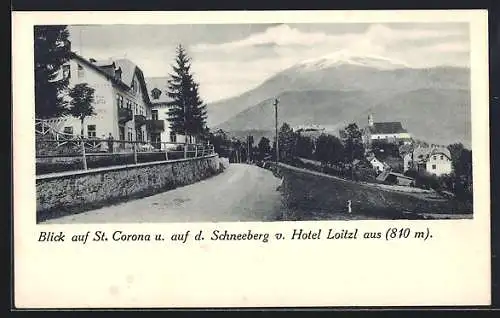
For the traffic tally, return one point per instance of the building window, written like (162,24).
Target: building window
(66,71)
(433,157)
(134,87)
(156,93)
(139,136)
(91,131)
(173,137)
(433,167)
(442,157)
(81,71)
(68,130)
(130,134)
(154,114)
(119,100)
(121,131)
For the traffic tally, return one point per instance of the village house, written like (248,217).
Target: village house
(377,164)
(434,160)
(385,131)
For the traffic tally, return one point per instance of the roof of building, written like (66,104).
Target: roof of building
(128,70)
(383,175)
(400,175)
(387,128)
(161,84)
(422,154)
(103,63)
(127,67)
(441,150)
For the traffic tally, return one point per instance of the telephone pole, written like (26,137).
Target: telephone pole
(276,102)
(248,149)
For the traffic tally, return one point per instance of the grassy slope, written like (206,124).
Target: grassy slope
(307,193)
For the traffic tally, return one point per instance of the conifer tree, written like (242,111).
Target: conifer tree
(51,51)
(187,111)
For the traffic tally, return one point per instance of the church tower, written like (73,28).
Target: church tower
(370,120)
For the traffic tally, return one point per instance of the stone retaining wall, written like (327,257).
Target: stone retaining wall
(73,192)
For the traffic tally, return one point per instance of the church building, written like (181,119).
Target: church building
(392,132)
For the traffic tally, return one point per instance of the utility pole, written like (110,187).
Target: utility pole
(276,102)
(248,149)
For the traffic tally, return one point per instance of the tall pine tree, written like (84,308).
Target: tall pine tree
(187,111)
(51,51)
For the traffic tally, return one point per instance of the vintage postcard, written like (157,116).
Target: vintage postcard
(251,159)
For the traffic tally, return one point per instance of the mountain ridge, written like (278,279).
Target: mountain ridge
(344,77)
(430,121)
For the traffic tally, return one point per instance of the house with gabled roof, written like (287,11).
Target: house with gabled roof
(376,163)
(433,160)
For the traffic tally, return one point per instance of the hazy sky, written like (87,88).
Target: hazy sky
(232,58)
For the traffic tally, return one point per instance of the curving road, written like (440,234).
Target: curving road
(241,193)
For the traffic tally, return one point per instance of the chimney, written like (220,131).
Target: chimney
(370,120)
(118,73)
(92,60)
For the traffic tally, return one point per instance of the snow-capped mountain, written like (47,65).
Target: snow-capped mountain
(348,58)
(342,72)
(341,87)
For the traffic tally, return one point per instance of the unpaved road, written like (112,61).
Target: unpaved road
(241,193)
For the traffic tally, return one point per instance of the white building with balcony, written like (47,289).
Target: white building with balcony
(158,96)
(121,100)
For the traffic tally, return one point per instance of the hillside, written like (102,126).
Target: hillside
(302,107)
(434,115)
(343,77)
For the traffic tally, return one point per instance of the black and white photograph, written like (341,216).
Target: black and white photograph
(242,159)
(252,122)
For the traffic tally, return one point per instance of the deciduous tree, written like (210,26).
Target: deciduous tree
(352,139)
(82,97)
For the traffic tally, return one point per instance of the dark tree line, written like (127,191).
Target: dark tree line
(328,149)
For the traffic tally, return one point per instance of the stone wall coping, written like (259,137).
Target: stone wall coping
(63,174)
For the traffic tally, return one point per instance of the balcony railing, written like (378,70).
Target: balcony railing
(139,120)
(155,126)
(77,154)
(124,115)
